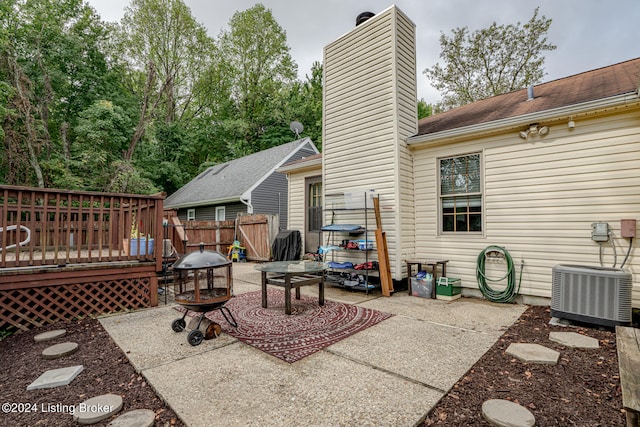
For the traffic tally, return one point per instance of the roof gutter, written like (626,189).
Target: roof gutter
(246,199)
(523,120)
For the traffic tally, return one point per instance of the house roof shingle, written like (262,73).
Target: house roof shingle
(591,85)
(230,180)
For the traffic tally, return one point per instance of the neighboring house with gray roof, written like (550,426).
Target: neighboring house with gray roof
(245,185)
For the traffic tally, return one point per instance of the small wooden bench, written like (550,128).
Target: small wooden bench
(431,264)
(628,345)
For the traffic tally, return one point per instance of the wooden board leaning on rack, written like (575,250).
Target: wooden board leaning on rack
(386,283)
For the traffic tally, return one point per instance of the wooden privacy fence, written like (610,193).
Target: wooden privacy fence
(68,254)
(254,232)
(214,235)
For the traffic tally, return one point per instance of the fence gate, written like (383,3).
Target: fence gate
(255,233)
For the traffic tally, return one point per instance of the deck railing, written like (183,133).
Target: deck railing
(43,227)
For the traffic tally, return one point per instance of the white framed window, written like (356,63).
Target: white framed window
(314,206)
(220,213)
(191,214)
(461,194)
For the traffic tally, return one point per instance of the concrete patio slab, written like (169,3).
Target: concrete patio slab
(467,313)
(392,373)
(147,339)
(248,387)
(429,353)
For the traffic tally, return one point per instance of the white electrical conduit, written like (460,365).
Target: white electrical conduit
(615,254)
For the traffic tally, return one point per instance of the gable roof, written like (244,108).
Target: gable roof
(228,181)
(310,162)
(601,83)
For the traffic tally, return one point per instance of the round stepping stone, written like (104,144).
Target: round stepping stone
(51,335)
(59,350)
(503,413)
(135,418)
(97,408)
(574,339)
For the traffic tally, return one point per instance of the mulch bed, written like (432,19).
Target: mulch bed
(106,370)
(583,389)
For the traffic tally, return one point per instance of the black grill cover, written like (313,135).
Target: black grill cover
(287,246)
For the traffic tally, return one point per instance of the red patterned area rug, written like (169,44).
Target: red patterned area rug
(308,329)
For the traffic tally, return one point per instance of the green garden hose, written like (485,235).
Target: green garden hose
(512,289)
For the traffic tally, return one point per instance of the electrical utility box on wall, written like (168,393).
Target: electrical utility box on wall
(628,228)
(599,231)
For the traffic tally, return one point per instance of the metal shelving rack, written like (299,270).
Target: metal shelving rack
(341,211)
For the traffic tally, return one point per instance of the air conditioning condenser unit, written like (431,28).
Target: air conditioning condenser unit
(597,295)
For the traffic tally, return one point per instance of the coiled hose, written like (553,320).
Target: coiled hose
(512,289)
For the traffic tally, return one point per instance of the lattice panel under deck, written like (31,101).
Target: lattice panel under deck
(28,307)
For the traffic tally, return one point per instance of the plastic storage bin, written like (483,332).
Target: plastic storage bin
(146,246)
(422,287)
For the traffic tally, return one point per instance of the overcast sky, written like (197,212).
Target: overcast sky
(588,33)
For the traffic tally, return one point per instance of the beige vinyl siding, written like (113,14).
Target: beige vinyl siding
(407,119)
(540,198)
(369,100)
(297,202)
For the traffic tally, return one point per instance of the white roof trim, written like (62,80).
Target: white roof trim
(309,164)
(204,203)
(523,120)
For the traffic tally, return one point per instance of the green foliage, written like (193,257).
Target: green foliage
(165,157)
(255,60)
(128,179)
(491,61)
(424,109)
(145,104)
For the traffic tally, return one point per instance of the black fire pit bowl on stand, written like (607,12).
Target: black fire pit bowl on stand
(203,282)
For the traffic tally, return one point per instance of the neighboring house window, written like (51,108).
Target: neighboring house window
(191,214)
(461,194)
(315,206)
(220,213)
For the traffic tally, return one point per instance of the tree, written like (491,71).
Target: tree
(424,109)
(166,51)
(256,61)
(491,61)
(310,114)
(51,64)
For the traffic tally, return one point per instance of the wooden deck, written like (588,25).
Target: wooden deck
(66,255)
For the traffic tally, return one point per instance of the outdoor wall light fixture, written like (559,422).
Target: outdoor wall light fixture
(534,129)
(571,124)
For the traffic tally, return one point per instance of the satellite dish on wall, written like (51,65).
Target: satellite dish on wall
(296,127)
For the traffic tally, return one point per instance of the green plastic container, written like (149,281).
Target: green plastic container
(448,286)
